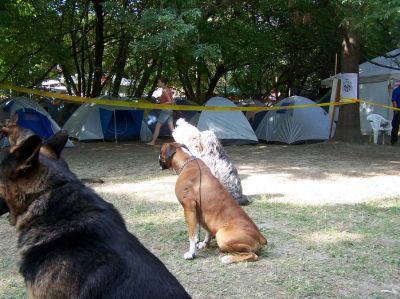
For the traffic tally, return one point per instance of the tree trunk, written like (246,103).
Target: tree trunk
(42,77)
(221,70)
(348,127)
(99,48)
(69,82)
(184,77)
(154,85)
(90,77)
(120,64)
(145,79)
(76,61)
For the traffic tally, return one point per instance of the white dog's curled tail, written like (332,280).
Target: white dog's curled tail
(181,122)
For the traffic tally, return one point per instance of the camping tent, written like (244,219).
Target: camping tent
(101,122)
(293,126)
(31,116)
(59,110)
(231,127)
(254,117)
(376,82)
(152,116)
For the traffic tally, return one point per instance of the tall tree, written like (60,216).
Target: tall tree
(348,128)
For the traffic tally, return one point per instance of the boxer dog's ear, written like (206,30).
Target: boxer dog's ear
(165,156)
(170,151)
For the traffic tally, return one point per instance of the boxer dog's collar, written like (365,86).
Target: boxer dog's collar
(185,164)
(169,153)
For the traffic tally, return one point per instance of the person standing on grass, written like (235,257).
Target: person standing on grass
(396,113)
(165,115)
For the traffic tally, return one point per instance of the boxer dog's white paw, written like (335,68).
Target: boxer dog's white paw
(202,245)
(227,259)
(189,255)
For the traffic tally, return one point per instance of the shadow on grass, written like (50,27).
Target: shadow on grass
(313,251)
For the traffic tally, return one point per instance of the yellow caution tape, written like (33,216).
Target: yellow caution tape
(374,104)
(137,104)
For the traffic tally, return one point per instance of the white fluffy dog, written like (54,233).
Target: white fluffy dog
(205,145)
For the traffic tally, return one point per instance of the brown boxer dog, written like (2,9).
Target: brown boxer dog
(206,202)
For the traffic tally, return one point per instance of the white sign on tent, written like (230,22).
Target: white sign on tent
(349,86)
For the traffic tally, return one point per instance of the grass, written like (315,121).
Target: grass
(338,251)
(314,251)
(331,251)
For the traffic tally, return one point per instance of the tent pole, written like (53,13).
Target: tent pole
(336,99)
(115,127)
(336,62)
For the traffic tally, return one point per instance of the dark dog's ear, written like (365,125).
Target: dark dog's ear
(56,143)
(26,155)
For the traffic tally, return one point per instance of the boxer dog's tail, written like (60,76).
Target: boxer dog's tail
(239,257)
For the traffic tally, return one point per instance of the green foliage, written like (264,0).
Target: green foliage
(203,46)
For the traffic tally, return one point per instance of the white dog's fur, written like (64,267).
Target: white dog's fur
(205,145)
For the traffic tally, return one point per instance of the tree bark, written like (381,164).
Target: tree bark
(90,77)
(220,71)
(99,48)
(184,77)
(154,85)
(120,64)
(76,62)
(69,82)
(43,76)
(145,79)
(348,127)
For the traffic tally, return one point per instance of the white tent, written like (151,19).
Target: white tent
(101,122)
(294,125)
(231,127)
(376,82)
(31,116)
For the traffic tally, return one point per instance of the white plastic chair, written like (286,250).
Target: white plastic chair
(379,124)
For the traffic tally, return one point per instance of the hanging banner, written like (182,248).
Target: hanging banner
(349,86)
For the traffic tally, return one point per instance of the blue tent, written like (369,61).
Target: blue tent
(35,121)
(102,122)
(121,124)
(31,116)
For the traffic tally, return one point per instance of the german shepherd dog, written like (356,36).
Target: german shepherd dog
(17,134)
(72,243)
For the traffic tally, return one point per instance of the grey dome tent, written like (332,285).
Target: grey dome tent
(293,126)
(231,127)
